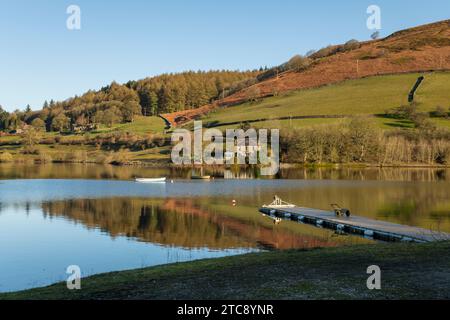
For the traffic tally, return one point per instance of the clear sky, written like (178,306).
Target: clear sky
(40,59)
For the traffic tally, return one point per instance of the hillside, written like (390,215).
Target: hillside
(418,49)
(179,98)
(118,124)
(368,96)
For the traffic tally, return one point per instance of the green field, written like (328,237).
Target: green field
(369,96)
(141,125)
(58,152)
(380,122)
(434,91)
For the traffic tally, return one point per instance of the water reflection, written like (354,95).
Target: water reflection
(422,204)
(91,171)
(39,240)
(37,246)
(185,223)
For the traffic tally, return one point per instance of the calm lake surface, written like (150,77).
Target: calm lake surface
(96,217)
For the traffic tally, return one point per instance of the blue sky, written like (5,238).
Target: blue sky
(40,59)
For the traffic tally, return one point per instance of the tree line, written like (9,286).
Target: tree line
(188,90)
(121,103)
(358,141)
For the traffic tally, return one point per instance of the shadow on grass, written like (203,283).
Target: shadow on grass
(396,122)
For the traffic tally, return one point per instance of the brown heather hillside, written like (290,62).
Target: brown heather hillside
(423,48)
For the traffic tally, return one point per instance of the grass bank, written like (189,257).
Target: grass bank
(409,271)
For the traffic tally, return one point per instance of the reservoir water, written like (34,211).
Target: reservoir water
(98,218)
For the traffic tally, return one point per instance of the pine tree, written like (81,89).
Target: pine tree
(153,103)
(3,119)
(149,97)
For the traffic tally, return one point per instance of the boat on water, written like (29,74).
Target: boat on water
(150,180)
(201,177)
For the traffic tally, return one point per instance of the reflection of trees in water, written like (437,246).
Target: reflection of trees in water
(422,204)
(420,209)
(144,220)
(178,223)
(68,171)
(92,171)
(254,232)
(362,174)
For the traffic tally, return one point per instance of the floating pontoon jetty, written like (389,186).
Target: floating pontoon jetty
(368,228)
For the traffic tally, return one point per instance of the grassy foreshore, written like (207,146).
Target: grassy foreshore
(409,271)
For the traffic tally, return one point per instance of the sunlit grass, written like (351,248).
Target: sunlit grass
(374,95)
(434,91)
(141,125)
(331,273)
(441,122)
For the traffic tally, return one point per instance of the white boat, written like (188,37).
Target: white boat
(201,177)
(150,180)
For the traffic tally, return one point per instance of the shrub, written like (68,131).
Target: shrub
(271,73)
(132,140)
(310,53)
(245,126)
(331,50)
(298,63)
(6,157)
(70,141)
(43,158)
(79,156)
(30,150)
(422,122)
(146,142)
(324,52)
(350,45)
(104,159)
(60,123)
(38,123)
(159,140)
(247,83)
(48,141)
(253,94)
(122,157)
(30,137)
(403,112)
(439,112)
